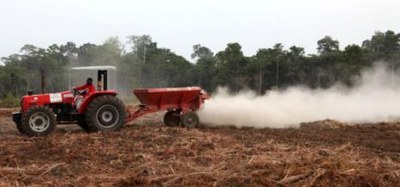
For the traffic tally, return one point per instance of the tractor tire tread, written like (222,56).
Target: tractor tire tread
(19,127)
(190,119)
(24,126)
(172,118)
(83,124)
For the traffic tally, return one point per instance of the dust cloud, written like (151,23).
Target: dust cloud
(375,97)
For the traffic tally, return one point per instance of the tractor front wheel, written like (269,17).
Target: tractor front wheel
(105,113)
(19,127)
(37,121)
(190,119)
(172,118)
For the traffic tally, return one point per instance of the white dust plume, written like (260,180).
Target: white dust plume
(376,97)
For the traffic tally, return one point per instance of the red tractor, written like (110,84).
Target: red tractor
(103,110)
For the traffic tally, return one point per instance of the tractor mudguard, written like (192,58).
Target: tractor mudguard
(93,95)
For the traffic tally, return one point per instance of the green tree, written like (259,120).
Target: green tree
(260,63)
(231,65)
(205,67)
(296,66)
(384,47)
(327,45)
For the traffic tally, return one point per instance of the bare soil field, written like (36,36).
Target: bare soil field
(146,153)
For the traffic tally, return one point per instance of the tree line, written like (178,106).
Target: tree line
(142,63)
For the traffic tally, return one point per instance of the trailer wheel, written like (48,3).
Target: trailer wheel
(190,119)
(37,121)
(172,118)
(105,113)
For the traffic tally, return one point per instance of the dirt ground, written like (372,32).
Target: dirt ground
(146,153)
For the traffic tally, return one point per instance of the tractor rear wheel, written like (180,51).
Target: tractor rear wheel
(105,113)
(82,123)
(172,118)
(190,119)
(37,121)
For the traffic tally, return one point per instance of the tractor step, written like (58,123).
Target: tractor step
(74,112)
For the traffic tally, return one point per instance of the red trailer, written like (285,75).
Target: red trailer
(181,104)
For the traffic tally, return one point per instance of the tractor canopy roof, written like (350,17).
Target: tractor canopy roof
(95,68)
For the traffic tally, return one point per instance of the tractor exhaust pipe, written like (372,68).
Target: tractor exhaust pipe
(42,80)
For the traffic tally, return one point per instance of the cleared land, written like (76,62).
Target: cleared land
(147,153)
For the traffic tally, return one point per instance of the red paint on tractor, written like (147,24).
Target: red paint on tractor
(45,99)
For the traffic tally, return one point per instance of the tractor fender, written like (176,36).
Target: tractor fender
(92,96)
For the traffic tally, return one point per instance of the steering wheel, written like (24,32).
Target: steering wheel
(76,92)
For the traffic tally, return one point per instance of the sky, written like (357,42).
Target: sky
(180,24)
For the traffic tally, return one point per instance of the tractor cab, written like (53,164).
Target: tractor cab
(80,73)
(76,73)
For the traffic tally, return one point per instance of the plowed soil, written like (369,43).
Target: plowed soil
(147,153)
